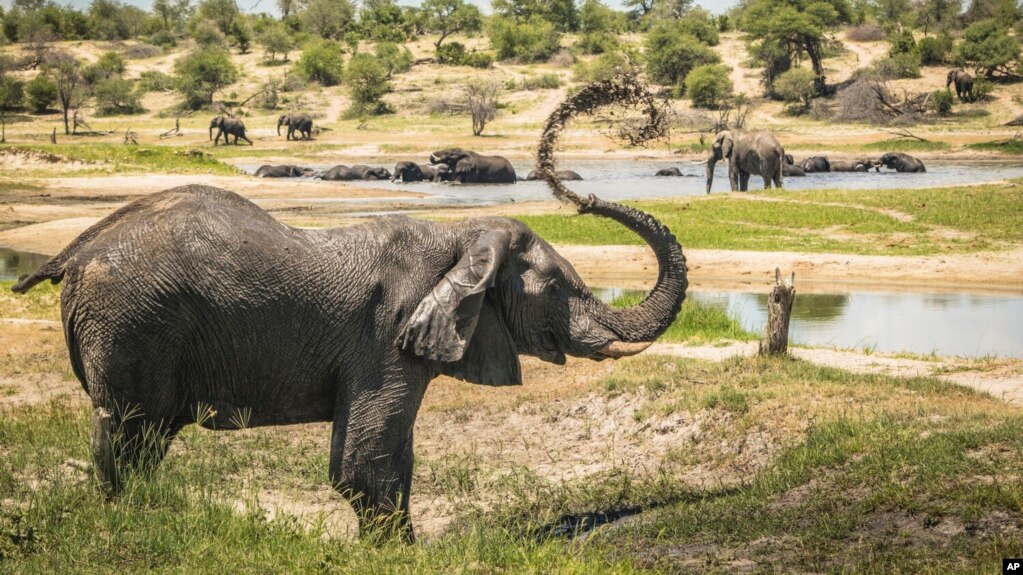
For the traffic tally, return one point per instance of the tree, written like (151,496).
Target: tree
(221,12)
(330,19)
(708,86)
(200,74)
(481,99)
(276,40)
(40,93)
(395,59)
(447,17)
(367,83)
(322,61)
(242,34)
(790,29)
(533,41)
(67,75)
(796,86)
(1005,11)
(672,9)
(173,13)
(989,49)
(940,15)
(286,6)
(207,35)
(639,8)
(671,53)
(562,14)
(116,96)
(894,14)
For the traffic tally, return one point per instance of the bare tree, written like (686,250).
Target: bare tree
(71,91)
(481,97)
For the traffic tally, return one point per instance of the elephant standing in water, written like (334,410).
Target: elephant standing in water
(300,123)
(351,330)
(747,153)
(963,82)
(901,163)
(228,127)
(412,172)
(469,167)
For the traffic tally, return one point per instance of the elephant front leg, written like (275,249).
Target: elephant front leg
(743,181)
(733,178)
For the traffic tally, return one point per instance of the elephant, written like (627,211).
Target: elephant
(284,171)
(853,165)
(901,163)
(963,82)
(413,172)
(228,127)
(562,175)
(747,153)
(301,123)
(792,170)
(670,172)
(194,305)
(470,167)
(358,172)
(815,164)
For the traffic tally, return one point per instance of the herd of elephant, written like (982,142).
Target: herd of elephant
(227,126)
(451,165)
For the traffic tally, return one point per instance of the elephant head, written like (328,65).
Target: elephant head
(450,157)
(719,150)
(952,75)
(215,123)
(377,174)
(284,119)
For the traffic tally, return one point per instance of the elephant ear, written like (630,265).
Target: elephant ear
(726,146)
(458,326)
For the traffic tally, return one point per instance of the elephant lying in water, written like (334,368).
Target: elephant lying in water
(789,168)
(815,164)
(562,175)
(669,172)
(358,172)
(413,172)
(901,163)
(862,165)
(284,171)
(470,167)
(351,330)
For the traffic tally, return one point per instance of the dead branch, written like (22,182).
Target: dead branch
(903,133)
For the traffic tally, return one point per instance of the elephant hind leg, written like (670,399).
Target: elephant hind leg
(743,181)
(125,441)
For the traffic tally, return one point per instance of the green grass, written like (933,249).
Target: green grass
(110,158)
(697,322)
(41,302)
(1012,146)
(905,145)
(940,220)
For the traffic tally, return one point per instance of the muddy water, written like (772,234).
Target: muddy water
(634,179)
(960,324)
(14,264)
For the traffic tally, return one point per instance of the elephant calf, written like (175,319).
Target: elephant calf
(358,172)
(562,175)
(284,171)
(671,172)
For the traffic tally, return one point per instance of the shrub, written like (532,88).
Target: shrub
(709,85)
(109,65)
(200,74)
(934,50)
(481,99)
(206,35)
(275,40)
(982,88)
(322,61)
(700,24)
(164,39)
(12,92)
(451,54)
(396,59)
(367,82)
(544,82)
(481,60)
(155,81)
(116,96)
(40,93)
(941,102)
(599,42)
(796,86)
(902,43)
(534,40)
(987,46)
(866,33)
(905,65)
(601,68)
(671,53)
(562,59)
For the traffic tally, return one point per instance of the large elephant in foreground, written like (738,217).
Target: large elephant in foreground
(350,331)
(901,162)
(300,123)
(412,172)
(357,172)
(963,82)
(469,167)
(225,127)
(747,153)
(284,171)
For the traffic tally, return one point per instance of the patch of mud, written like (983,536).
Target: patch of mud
(18,159)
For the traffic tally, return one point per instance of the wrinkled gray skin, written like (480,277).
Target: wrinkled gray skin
(669,172)
(195,304)
(963,82)
(792,170)
(284,171)
(901,162)
(300,123)
(747,153)
(228,127)
(853,165)
(413,172)
(469,167)
(562,175)
(815,164)
(358,172)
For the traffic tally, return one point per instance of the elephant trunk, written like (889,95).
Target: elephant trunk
(211,131)
(711,161)
(434,159)
(279,122)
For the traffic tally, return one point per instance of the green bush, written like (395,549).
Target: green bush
(12,92)
(164,39)
(322,61)
(534,40)
(600,42)
(200,74)
(905,65)
(367,82)
(116,96)
(451,54)
(982,88)
(701,24)
(796,86)
(601,68)
(544,82)
(934,50)
(109,65)
(396,59)
(987,46)
(155,81)
(672,52)
(708,86)
(901,43)
(275,39)
(207,35)
(482,60)
(941,102)
(40,93)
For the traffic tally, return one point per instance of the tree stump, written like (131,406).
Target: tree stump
(779,308)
